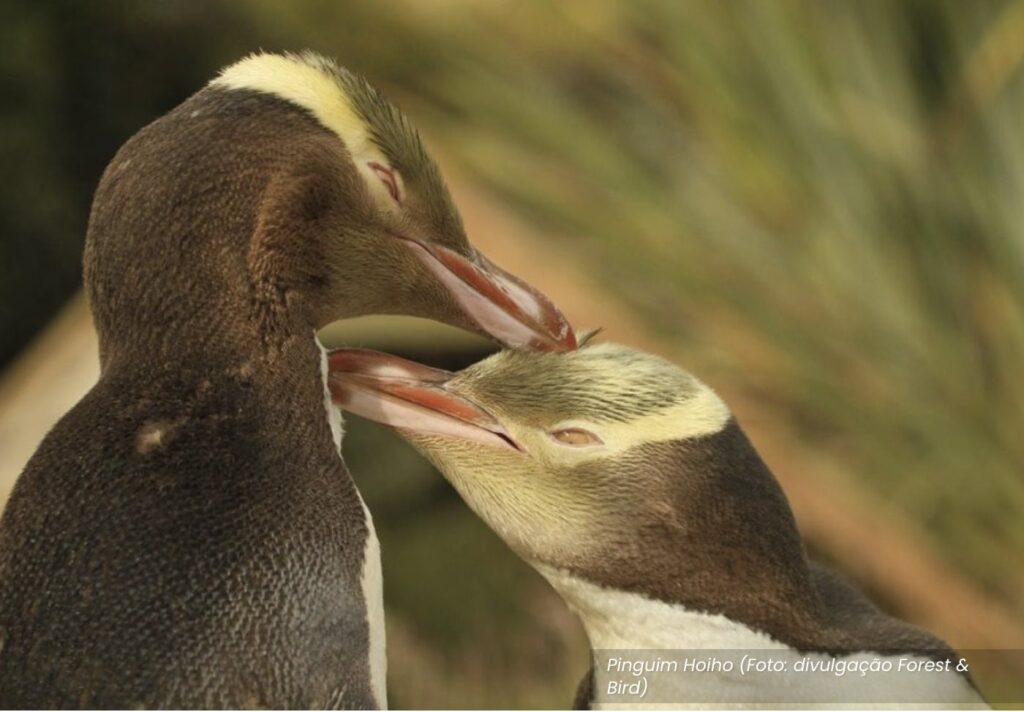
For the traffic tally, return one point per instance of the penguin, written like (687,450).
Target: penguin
(187,535)
(628,484)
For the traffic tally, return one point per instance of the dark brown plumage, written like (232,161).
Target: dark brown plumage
(187,535)
(218,567)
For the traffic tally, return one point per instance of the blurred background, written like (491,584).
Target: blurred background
(814,206)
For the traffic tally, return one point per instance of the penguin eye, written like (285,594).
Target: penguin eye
(388,178)
(576,437)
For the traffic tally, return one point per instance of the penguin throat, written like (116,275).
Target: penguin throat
(616,619)
(629,626)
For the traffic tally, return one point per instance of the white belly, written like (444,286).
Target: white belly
(372,579)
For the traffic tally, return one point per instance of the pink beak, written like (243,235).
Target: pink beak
(501,304)
(408,396)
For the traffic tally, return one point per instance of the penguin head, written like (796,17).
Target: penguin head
(293,188)
(613,467)
(565,455)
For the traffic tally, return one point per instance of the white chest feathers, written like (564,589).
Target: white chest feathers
(372,580)
(650,654)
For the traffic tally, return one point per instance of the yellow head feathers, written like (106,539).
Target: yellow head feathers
(312,82)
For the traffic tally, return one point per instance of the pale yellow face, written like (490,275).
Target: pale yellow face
(593,427)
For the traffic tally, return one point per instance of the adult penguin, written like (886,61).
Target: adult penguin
(628,484)
(187,535)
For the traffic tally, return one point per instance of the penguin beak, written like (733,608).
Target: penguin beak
(501,304)
(409,396)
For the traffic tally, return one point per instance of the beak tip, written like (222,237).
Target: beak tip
(554,332)
(570,341)
(503,306)
(565,340)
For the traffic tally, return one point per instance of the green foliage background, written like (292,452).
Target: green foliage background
(821,201)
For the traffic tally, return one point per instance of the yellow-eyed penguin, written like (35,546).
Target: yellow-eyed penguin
(627,483)
(187,535)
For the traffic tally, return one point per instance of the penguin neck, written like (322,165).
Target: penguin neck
(721,540)
(200,255)
(619,622)
(279,385)
(615,619)
(223,327)
(738,552)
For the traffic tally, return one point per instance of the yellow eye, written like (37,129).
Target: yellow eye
(576,437)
